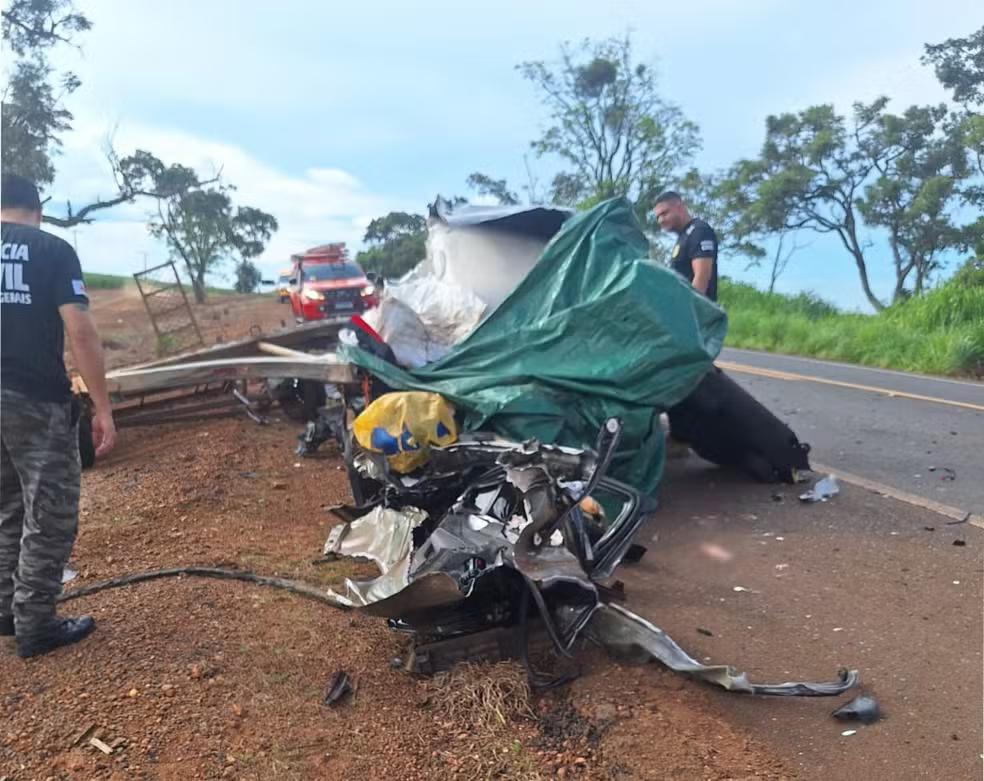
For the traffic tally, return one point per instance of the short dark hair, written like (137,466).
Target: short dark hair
(16,192)
(669,196)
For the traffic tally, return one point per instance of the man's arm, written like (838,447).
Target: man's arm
(702,273)
(702,245)
(87,353)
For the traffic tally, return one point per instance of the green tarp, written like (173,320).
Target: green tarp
(595,330)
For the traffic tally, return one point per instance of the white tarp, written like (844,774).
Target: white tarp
(476,256)
(489,261)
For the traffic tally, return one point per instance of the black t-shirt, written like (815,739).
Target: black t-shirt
(697,240)
(40,273)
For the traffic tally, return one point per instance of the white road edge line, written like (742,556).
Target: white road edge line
(953,513)
(840,364)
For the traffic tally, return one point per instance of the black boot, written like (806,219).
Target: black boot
(64,631)
(6,626)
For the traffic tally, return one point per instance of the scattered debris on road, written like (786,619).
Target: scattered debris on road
(863,708)
(83,734)
(98,744)
(339,686)
(822,490)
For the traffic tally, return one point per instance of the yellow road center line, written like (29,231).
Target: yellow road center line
(886,490)
(790,376)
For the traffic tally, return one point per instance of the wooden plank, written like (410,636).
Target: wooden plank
(83,733)
(326,368)
(283,352)
(97,743)
(321,330)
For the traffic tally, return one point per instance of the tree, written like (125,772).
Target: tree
(33,114)
(33,111)
(397,244)
(609,124)
(970,128)
(729,203)
(198,223)
(808,177)
(248,277)
(959,65)
(497,188)
(723,202)
(393,226)
(201,228)
(900,173)
(918,164)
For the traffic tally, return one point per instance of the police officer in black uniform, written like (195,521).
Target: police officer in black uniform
(42,295)
(694,255)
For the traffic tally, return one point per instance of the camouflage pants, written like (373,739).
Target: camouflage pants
(39,500)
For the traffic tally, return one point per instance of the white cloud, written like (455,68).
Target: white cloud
(321,204)
(316,109)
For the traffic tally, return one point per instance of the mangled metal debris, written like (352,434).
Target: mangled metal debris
(488,544)
(383,536)
(339,686)
(493,543)
(863,708)
(625,633)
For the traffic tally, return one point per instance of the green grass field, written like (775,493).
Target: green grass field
(941,332)
(105,281)
(95,281)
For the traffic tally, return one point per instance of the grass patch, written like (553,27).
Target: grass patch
(941,332)
(106,281)
(323,574)
(481,696)
(95,281)
(487,703)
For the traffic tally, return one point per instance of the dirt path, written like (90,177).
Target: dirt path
(128,336)
(211,679)
(199,679)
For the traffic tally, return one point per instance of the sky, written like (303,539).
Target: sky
(328,114)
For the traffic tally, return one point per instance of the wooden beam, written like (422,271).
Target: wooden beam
(321,368)
(284,352)
(321,332)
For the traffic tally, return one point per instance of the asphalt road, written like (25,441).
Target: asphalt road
(920,435)
(861,581)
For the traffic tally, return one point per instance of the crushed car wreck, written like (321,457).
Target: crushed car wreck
(495,528)
(490,544)
(506,536)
